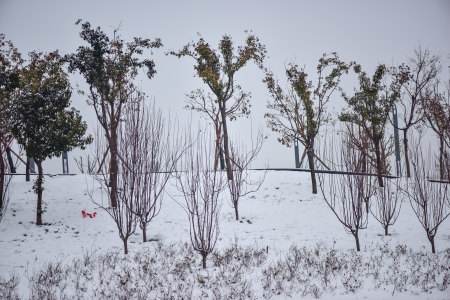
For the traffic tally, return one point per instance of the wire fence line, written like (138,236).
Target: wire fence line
(332,172)
(250,169)
(45,174)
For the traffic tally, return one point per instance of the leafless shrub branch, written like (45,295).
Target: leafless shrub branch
(241,185)
(158,145)
(428,199)
(386,207)
(88,166)
(346,195)
(201,186)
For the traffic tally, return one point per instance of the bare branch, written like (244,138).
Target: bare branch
(201,186)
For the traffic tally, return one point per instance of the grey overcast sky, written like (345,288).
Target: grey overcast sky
(369,32)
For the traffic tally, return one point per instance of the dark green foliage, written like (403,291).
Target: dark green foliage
(42,122)
(10,61)
(108,64)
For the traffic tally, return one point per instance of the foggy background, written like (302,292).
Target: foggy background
(293,31)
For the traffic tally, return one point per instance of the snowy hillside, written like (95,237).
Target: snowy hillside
(281,215)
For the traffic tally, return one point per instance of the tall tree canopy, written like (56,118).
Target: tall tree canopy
(370,106)
(217,69)
(298,114)
(109,65)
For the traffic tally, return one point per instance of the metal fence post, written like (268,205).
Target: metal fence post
(297,158)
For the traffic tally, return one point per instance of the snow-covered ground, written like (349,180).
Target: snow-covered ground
(282,214)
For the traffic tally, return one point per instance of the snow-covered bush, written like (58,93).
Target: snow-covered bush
(307,271)
(49,283)
(173,272)
(303,271)
(8,288)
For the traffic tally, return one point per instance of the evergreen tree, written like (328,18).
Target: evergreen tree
(42,121)
(109,66)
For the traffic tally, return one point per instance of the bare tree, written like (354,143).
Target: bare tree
(428,199)
(386,207)
(122,214)
(346,194)
(201,186)
(298,115)
(158,145)
(420,74)
(131,182)
(241,185)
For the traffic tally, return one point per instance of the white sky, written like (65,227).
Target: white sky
(370,32)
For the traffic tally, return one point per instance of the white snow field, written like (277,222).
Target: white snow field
(270,254)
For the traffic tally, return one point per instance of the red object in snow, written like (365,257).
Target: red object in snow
(85,214)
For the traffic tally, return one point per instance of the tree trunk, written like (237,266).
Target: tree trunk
(441,158)
(433,248)
(113,166)
(386,230)
(144,232)
(405,145)
(218,158)
(358,248)
(364,161)
(221,158)
(218,150)
(447,165)
(310,154)
(27,170)
(2,180)
(225,140)
(236,211)
(204,260)
(125,246)
(216,155)
(378,162)
(12,168)
(38,191)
